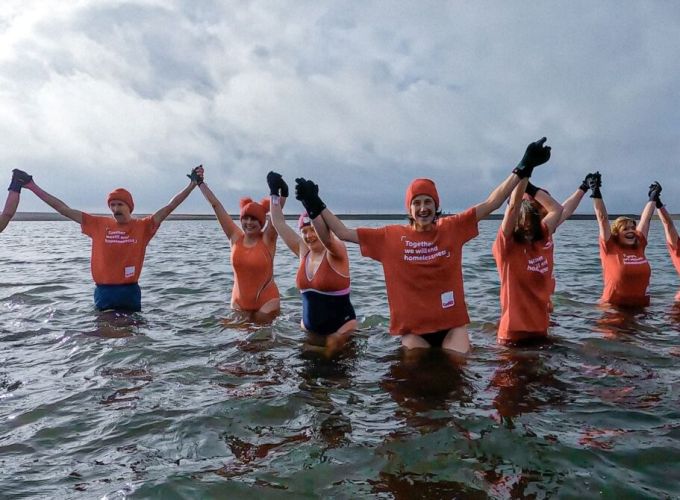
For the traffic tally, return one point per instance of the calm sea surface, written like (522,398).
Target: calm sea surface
(171,404)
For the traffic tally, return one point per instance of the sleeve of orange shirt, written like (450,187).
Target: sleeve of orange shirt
(150,227)
(466,224)
(89,224)
(372,242)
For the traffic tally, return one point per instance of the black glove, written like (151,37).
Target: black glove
(308,194)
(277,186)
(595,183)
(655,194)
(585,183)
(19,180)
(536,154)
(195,176)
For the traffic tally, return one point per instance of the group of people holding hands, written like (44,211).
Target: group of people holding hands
(421,260)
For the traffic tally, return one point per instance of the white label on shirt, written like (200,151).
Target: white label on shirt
(129,271)
(447,300)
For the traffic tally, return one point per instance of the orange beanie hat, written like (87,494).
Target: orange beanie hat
(254,209)
(421,186)
(123,195)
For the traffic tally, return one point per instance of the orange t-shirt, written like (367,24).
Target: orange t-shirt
(423,272)
(117,249)
(526,274)
(626,272)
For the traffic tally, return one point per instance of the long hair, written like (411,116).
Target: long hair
(529,210)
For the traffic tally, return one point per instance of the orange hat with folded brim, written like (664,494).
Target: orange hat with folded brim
(123,195)
(422,186)
(254,209)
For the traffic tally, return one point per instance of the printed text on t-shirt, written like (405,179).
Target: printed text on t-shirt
(422,251)
(538,264)
(119,237)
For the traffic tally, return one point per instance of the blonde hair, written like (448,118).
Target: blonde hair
(620,222)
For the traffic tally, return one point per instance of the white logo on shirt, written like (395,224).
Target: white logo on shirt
(447,300)
(129,271)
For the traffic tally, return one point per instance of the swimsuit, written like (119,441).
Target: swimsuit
(253,276)
(325,298)
(120,297)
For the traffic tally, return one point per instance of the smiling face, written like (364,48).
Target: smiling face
(250,225)
(624,231)
(423,211)
(120,211)
(310,238)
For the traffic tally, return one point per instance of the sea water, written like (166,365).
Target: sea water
(170,403)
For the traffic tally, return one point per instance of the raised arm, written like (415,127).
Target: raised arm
(19,179)
(595,183)
(278,221)
(668,227)
(10,209)
(52,201)
(512,210)
(308,193)
(647,212)
(338,227)
(230,228)
(571,204)
(553,218)
(163,213)
(537,153)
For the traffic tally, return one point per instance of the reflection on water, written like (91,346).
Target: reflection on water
(525,383)
(176,402)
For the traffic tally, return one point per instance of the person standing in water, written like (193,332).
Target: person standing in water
(523,251)
(422,261)
(323,274)
(19,178)
(118,243)
(255,296)
(625,268)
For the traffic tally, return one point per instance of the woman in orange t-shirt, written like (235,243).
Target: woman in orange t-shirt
(523,251)
(255,295)
(625,267)
(669,229)
(422,260)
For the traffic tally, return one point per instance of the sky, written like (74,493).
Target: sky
(360,96)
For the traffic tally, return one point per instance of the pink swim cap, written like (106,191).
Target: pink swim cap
(304,220)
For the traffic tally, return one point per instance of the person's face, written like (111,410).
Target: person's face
(627,236)
(310,237)
(423,210)
(250,225)
(120,211)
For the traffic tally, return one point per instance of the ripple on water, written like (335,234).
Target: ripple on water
(174,402)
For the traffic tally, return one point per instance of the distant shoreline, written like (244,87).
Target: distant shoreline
(51,216)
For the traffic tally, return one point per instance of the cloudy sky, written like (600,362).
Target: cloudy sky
(361,96)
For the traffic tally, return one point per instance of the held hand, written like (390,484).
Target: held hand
(595,183)
(196,175)
(308,193)
(655,194)
(537,153)
(19,180)
(277,186)
(585,183)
